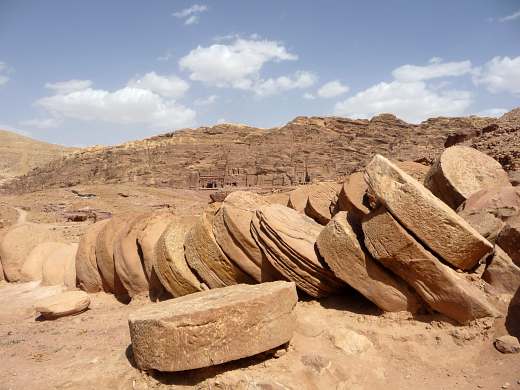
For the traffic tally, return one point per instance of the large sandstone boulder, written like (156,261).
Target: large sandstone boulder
(502,273)
(299,196)
(321,202)
(425,216)
(205,257)
(439,285)
(87,272)
(346,257)
(32,269)
(171,267)
(1,272)
(18,242)
(509,239)
(60,267)
(288,239)
(147,239)
(64,304)
(127,258)
(213,327)
(461,171)
(105,254)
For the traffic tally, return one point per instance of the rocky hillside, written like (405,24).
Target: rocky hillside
(305,149)
(19,154)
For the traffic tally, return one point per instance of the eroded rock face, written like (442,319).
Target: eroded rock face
(171,267)
(213,327)
(32,268)
(64,304)
(502,273)
(339,246)
(60,267)
(352,196)
(461,171)
(322,202)
(509,239)
(425,216)
(288,239)
(298,197)
(87,272)
(437,284)
(205,257)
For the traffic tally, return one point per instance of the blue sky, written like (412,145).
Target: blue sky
(104,72)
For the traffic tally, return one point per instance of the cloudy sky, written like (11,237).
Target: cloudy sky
(104,72)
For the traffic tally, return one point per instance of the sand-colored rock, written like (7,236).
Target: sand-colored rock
(171,267)
(507,344)
(425,216)
(484,222)
(213,327)
(503,202)
(509,239)
(205,257)
(105,254)
(278,198)
(322,201)
(288,239)
(461,171)
(127,258)
(32,269)
(64,304)
(438,285)
(299,196)
(18,242)
(339,246)
(502,273)
(87,272)
(60,267)
(2,277)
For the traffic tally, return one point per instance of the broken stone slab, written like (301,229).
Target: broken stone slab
(87,272)
(438,285)
(171,267)
(509,239)
(428,218)
(502,273)
(299,196)
(205,257)
(212,327)
(460,171)
(321,202)
(64,304)
(339,246)
(507,344)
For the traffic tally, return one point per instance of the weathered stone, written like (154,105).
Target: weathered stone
(147,239)
(32,269)
(438,285)
(237,211)
(339,246)
(213,327)
(507,344)
(424,215)
(483,222)
(322,201)
(509,239)
(60,267)
(64,304)
(2,277)
(87,272)
(205,257)
(502,273)
(502,202)
(171,267)
(298,197)
(105,254)
(278,198)
(461,171)
(18,242)
(288,239)
(352,197)
(127,259)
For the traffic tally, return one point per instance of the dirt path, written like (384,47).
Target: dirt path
(22,216)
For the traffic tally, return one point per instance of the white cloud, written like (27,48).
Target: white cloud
(435,69)
(191,14)
(271,86)
(128,105)
(65,87)
(332,89)
(309,96)
(492,112)
(168,86)
(236,64)
(206,101)
(508,18)
(412,101)
(501,74)
(42,123)
(3,77)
